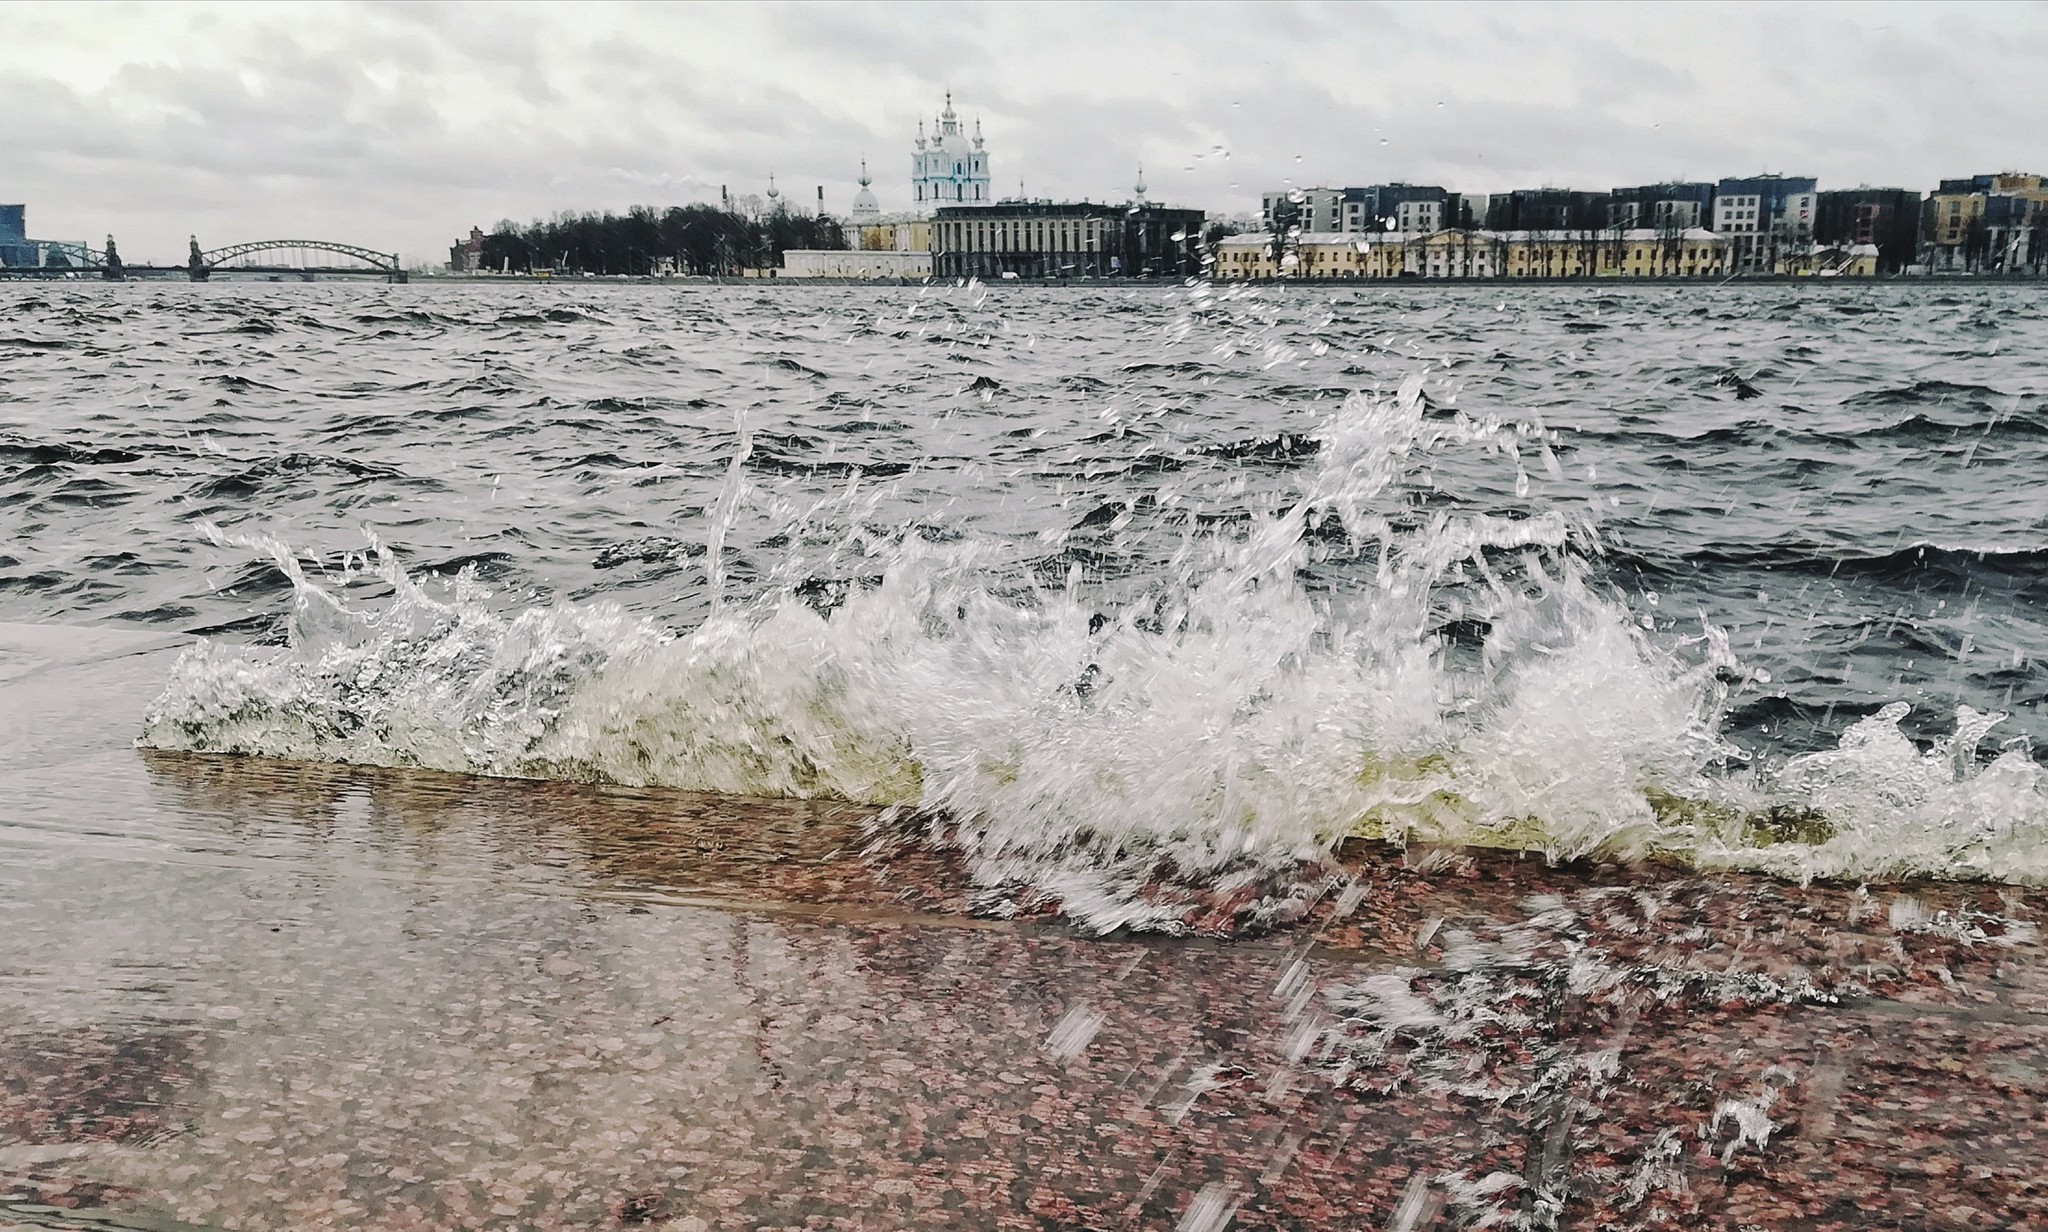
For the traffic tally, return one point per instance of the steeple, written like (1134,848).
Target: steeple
(864,180)
(1140,186)
(773,192)
(920,134)
(977,132)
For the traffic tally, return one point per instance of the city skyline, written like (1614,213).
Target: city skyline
(396,126)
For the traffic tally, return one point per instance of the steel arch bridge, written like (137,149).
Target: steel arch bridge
(206,262)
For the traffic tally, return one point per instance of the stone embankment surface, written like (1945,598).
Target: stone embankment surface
(243,994)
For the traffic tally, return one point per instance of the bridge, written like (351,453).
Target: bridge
(202,263)
(68,260)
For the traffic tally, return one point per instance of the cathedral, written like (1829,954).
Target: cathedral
(949,169)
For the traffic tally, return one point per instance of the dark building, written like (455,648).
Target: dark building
(1420,209)
(1046,239)
(1547,209)
(15,250)
(1673,206)
(1886,217)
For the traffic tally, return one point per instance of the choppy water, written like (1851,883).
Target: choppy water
(1114,581)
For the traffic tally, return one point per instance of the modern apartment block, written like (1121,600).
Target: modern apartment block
(1887,218)
(15,249)
(1996,223)
(1547,209)
(1353,211)
(1306,209)
(1765,216)
(1674,206)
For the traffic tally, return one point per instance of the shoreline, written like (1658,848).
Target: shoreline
(434,991)
(423,278)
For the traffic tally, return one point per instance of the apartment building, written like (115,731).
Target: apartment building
(1677,206)
(1765,216)
(1887,219)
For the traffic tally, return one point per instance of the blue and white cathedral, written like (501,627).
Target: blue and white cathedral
(947,169)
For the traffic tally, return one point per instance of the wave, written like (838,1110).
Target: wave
(2001,565)
(46,453)
(1919,392)
(1222,727)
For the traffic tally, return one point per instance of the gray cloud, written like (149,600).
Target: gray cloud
(398,125)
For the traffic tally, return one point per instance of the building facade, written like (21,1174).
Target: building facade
(1765,217)
(866,264)
(1682,206)
(1421,208)
(1887,219)
(467,256)
(15,248)
(1309,210)
(899,233)
(950,168)
(1459,254)
(1045,239)
(1988,223)
(1546,209)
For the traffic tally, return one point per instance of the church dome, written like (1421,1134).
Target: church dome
(865,207)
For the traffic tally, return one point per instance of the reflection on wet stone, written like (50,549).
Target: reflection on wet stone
(407,1000)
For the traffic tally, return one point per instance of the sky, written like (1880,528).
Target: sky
(396,126)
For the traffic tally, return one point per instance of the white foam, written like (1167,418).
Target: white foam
(1231,723)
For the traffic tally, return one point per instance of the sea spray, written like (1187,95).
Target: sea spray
(1220,723)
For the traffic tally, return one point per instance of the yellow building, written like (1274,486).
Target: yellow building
(1648,253)
(1336,254)
(1245,257)
(1457,254)
(1461,255)
(1951,215)
(1315,256)
(912,235)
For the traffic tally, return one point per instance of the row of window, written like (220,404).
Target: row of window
(1021,237)
(960,192)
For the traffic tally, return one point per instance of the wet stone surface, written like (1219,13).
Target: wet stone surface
(239,994)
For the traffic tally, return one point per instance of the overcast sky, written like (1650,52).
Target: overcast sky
(397,126)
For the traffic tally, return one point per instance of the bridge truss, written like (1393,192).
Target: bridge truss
(383,262)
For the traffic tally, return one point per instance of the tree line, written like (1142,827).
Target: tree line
(687,239)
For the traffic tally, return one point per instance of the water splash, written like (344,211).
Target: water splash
(1213,728)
